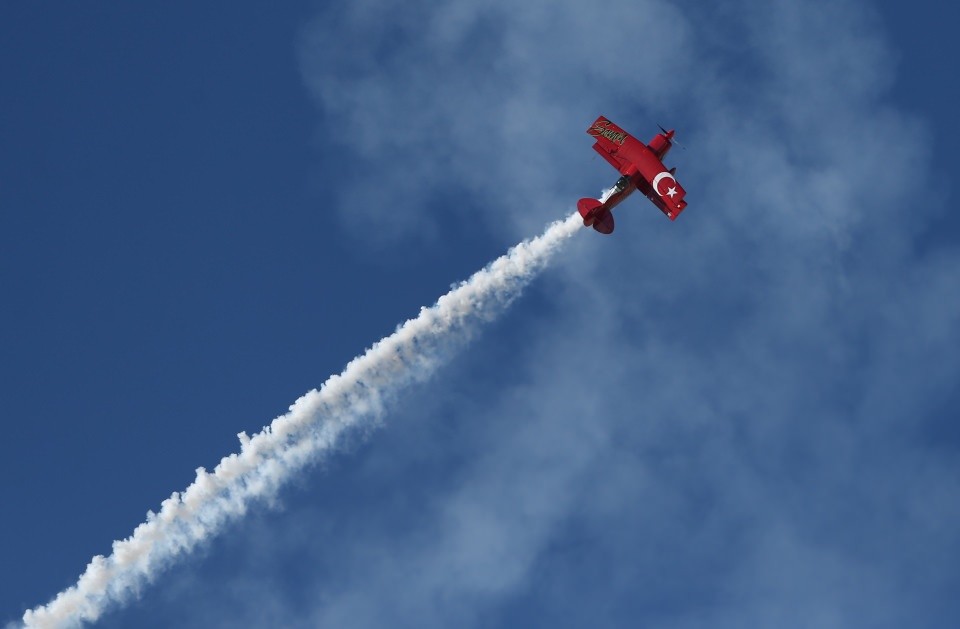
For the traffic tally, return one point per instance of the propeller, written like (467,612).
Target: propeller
(672,139)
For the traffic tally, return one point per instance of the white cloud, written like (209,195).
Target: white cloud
(724,421)
(473,100)
(767,363)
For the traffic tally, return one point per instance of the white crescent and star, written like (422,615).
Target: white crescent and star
(671,191)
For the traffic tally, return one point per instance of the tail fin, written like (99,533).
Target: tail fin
(593,216)
(587,209)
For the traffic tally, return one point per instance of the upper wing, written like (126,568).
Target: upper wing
(610,141)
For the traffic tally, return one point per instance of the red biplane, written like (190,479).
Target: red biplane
(640,167)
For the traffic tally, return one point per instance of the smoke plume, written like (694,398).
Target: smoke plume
(313,427)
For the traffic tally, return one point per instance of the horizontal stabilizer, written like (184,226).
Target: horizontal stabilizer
(594,215)
(604,224)
(587,209)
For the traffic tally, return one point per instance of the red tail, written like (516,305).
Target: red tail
(600,219)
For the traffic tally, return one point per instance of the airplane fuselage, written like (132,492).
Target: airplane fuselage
(641,168)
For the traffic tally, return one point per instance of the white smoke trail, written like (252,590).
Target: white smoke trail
(312,427)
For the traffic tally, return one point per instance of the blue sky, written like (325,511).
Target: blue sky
(743,418)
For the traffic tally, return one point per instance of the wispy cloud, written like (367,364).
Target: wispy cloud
(739,419)
(769,370)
